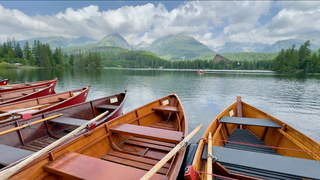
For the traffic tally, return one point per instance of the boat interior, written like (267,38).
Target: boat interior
(35,105)
(20,93)
(250,144)
(21,143)
(123,148)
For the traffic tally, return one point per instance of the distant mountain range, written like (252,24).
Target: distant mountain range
(314,38)
(176,47)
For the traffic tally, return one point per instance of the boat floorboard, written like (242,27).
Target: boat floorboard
(39,144)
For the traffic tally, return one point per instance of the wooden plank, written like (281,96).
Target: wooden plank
(148,132)
(136,158)
(151,146)
(173,109)
(11,154)
(162,127)
(132,163)
(249,121)
(78,166)
(153,141)
(275,163)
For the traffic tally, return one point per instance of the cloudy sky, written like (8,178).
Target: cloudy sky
(211,22)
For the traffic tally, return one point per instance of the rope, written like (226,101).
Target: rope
(249,144)
(215,175)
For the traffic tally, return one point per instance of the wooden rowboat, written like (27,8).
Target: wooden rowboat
(12,87)
(17,144)
(15,110)
(27,93)
(4,81)
(250,144)
(123,148)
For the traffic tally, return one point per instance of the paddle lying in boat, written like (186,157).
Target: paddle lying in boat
(27,93)
(123,148)
(52,102)
(13,87)
(251,144)
(4,81)
(41,129)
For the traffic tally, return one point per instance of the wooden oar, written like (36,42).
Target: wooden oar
(26,125)
(9,172)
(209,158)
(155,168)
(21,110)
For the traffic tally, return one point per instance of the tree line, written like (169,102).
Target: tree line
(297,60)
(42,55)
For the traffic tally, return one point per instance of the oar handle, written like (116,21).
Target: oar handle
(26,125)
(155,168)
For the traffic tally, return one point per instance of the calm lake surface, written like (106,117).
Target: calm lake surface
(294,99)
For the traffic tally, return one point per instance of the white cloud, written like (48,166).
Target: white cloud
(211,22)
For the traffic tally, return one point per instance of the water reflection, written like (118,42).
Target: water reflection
(292,98)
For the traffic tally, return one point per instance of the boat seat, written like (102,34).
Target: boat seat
(272,164)
(78,166)
(69,121)
(173,109)
(148,132)
(249,121)
(107,107)
(63,98)
(10,154)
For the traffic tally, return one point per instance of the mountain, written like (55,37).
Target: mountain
(141,46)
(114,40)
(53,41)
(174,47)
(241,47)
(314,38)
(83,40)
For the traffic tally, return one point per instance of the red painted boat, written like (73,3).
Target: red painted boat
(27,93)
(37,136)
(12,87)
(42,104)
(200,71)
(4,81)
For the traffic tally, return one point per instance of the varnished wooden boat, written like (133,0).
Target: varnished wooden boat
(27,93)
(13,87)
(15,110)
(18,144)
(251,144)
(123,148)
(4,81)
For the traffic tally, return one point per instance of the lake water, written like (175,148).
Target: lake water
(294,99)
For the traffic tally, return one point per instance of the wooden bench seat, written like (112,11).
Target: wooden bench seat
(107,107)
(270,163)
(173,109)
(63,98)
(69,121)
(249,121)
(10,154)
(78,166)
(148,132)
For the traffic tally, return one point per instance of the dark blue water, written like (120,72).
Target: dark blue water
(294,99)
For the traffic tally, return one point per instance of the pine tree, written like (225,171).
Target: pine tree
(18,51)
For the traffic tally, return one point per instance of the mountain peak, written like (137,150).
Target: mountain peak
(115,40)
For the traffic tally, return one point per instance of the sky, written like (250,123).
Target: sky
(213,23)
